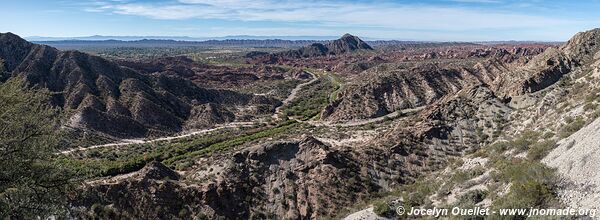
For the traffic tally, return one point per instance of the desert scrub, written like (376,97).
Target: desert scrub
(417,194)
(460,177)
(521,143)
(532,184)
(382,208)
(572,126)
(311,99)
(279,89)
(539,150)
(527,139)
(471,198)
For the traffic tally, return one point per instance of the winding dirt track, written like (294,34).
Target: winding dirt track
(126,142)
(292,96)
(363,121)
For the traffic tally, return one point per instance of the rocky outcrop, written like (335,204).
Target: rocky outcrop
(283,179)
(583,47)
(291,177)
(547,68)
(152,193)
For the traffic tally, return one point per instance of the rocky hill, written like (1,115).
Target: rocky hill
(103,96)
(346,44)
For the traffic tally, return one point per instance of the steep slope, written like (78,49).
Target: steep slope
(392,87)
(576,158)
(100,95)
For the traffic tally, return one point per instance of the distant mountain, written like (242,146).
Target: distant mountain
(178,38)
(118,38)
(346,44)
(104,96)
(84,44)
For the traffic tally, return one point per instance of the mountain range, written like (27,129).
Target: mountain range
(178,38)
(101,95)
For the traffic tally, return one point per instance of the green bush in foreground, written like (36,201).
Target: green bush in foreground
(382,208)
(533,185)
(32,184)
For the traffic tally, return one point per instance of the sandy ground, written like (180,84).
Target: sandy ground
(577,159)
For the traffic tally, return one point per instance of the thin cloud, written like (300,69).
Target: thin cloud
(384,15)
(381,19)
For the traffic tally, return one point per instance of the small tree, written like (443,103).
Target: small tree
(32,184)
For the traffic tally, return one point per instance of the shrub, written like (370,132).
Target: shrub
(523,142)
(471,198)
(382,208)
(540,150)
(572,127)
(311,100)
(533,185)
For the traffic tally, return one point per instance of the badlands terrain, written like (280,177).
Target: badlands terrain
(307,130)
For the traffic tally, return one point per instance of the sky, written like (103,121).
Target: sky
(426,20)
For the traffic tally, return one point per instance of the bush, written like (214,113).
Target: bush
(523,142)
(571,127)
(382,208)
(32,184)
(526,195)
(533,185)
(417,194)
(471,198)
(540,150)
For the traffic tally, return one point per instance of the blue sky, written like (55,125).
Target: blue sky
(436,20)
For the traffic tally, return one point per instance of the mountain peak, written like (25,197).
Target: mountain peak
(8,37)
(583,46)
(348,43)
(13,49)
(347,35)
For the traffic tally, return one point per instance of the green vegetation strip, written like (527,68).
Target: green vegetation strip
(225,145)
(170,154)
